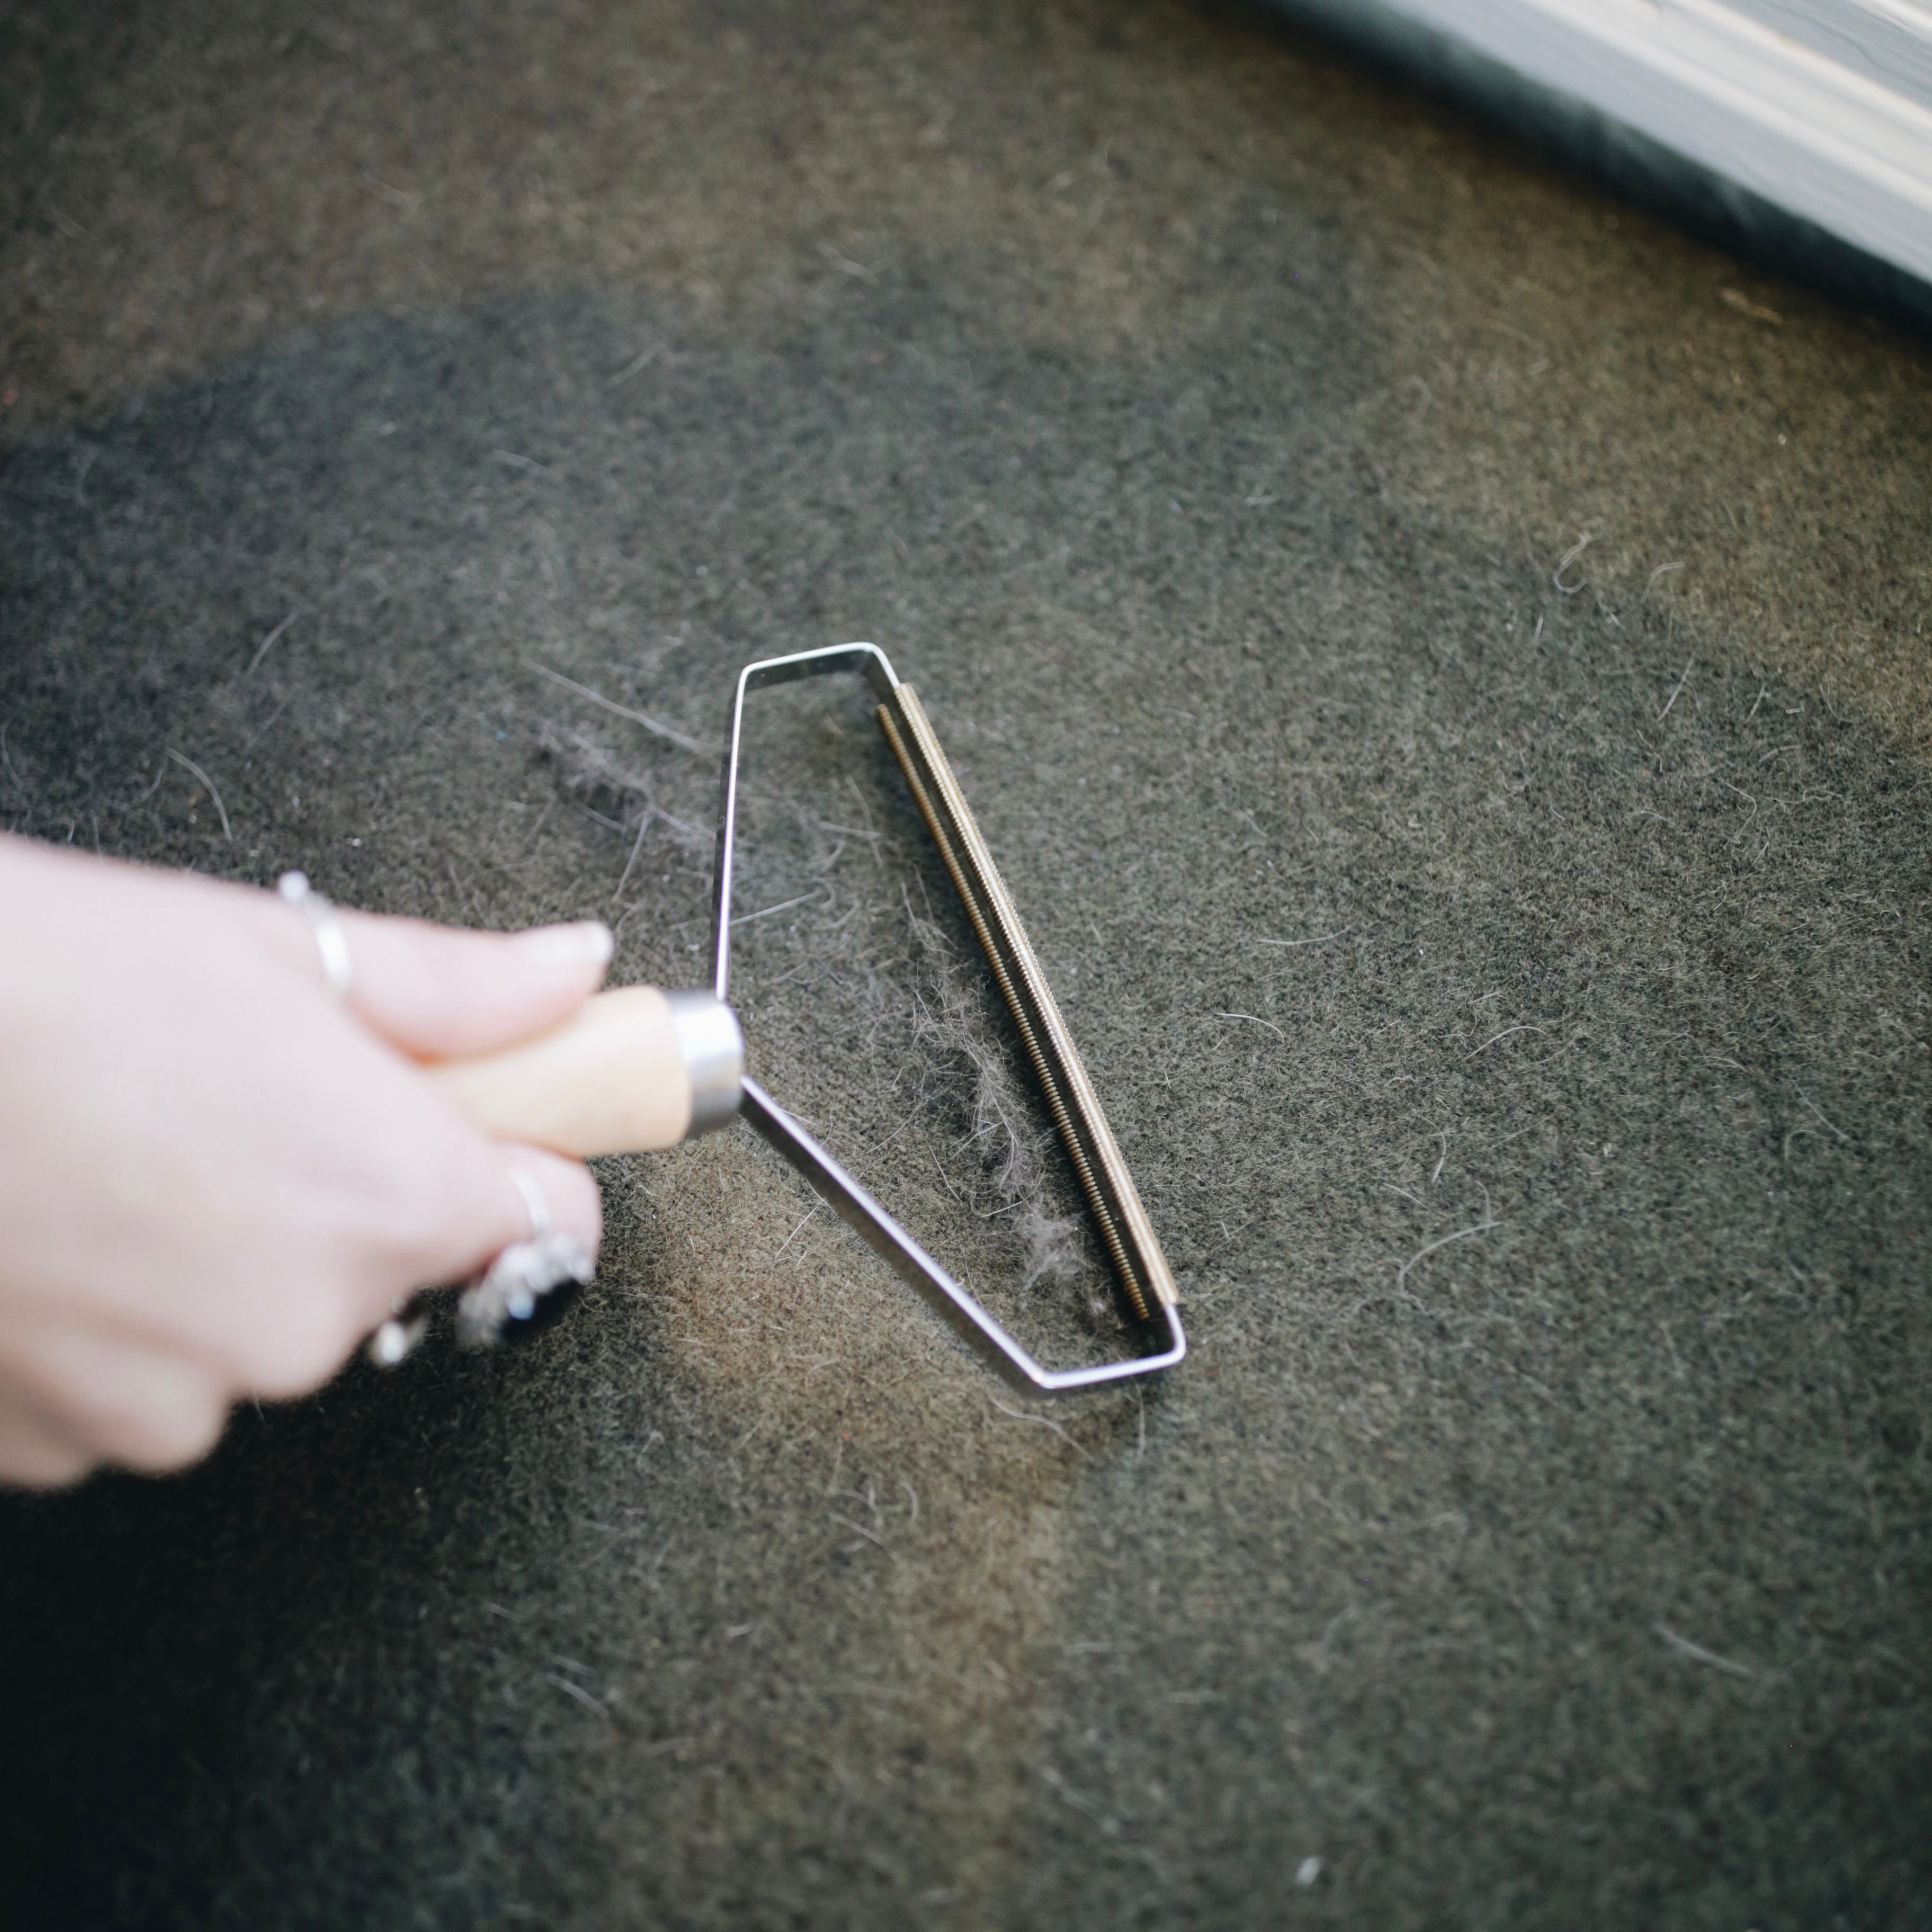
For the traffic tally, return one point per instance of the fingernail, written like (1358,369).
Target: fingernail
(587,943)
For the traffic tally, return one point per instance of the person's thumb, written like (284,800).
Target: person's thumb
(435,992)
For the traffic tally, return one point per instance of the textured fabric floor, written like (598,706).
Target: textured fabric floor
(1439,657)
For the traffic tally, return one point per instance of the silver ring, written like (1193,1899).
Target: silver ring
(510,1287)
(396,1339)
(508,1290)
(332,937)
(535,1205)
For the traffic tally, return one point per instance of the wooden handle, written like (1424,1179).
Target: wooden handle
(626,1072)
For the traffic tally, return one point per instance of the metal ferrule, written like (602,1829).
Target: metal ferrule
(713,1049)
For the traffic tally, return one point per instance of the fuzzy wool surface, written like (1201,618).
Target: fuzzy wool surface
(1439,656)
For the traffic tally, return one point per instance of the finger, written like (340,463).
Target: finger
(437,992)
(566,1189)
(114,1399)
(32,1455)
(439,1202)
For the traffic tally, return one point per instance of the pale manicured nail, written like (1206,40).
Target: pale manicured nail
(587,943)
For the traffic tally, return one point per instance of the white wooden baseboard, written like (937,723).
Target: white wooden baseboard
(1822,107)
(1889,41)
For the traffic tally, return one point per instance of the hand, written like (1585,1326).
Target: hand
(216,1177)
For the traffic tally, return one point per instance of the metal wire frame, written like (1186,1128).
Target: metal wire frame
(1145,1279)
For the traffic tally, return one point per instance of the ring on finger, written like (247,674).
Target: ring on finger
(332,937)
(513,1287)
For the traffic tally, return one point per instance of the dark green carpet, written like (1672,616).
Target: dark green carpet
(1510,991)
